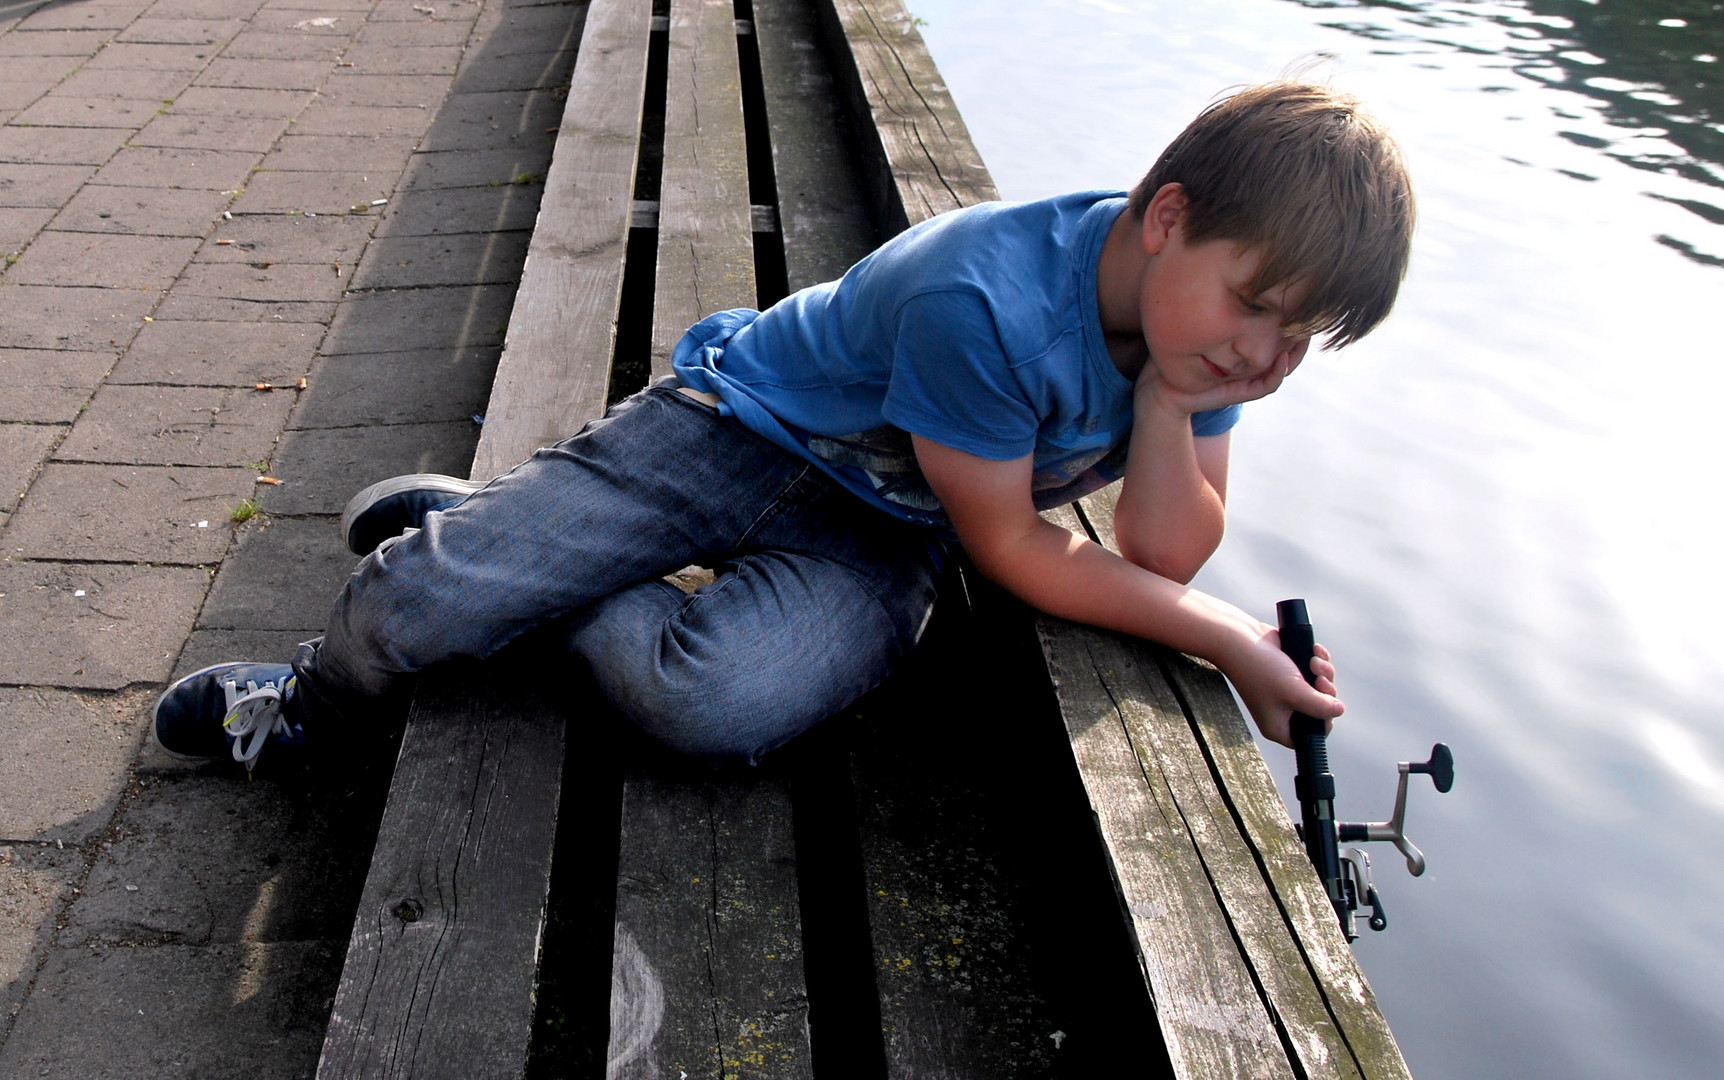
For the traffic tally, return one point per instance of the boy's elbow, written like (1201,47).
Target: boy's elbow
(1176,563)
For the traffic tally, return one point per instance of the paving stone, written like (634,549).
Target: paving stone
(373,59)
(353,8)
(51,317)
(282,575)
(264,281)
(129,513)
(133,56)
(344,88)
(22,448)
(218,353)
(44,386)
(126,628)
(502,119)
(397,320)
(479,258)
(217,645)
(324,119)
(126,83)
(36,882)
(290,238)
(182,31)
(257,74)
(185,307)
(177,425)
(251,1010)
(316,192)
(476,168)
(409,11)
(291,19)
(142,211)
(20,224)
(60,146)
(177,167)
(18,95)
(424,32)
(39,72)
(321,468)
(255,134)
(399,388)
(82,16)
(56,110)
(114,261)
(524,71)
(205,9)
(296,45)
(226,101)
(67,760)
(212,857)
(54,42)
(40,185)
(512,28)
(384,154)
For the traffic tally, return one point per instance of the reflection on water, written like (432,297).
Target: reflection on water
(1651,69)
(1500,504)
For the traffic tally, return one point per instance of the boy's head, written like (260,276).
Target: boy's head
(1301,175)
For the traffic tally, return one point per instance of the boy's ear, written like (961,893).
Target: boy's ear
(1164,214)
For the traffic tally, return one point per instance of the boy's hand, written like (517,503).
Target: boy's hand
(1272,688)
(1155,389)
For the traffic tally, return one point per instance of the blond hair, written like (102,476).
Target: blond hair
(1302,175)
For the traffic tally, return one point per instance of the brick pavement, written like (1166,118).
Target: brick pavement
(191,204)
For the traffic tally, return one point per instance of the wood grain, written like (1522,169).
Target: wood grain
(1281,914)
(707,969)
(706,231)
(555,369)
(918,157)
(442,960)
(822,204)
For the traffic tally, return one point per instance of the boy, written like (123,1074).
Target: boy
(821,456)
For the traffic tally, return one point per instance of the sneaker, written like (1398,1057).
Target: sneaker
(391,507)
(226,710)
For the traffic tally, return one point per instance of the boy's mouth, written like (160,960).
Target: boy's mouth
(1216,370)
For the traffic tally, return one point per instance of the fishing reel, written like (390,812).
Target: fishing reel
(1346,876)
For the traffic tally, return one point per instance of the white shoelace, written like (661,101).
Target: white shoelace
(253,716)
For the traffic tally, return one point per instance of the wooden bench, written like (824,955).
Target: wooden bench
(948,880)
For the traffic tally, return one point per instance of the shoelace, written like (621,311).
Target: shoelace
(255,715)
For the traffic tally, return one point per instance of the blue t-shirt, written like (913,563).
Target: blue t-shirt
(978,329)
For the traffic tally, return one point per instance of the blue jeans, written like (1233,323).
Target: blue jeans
(816,596)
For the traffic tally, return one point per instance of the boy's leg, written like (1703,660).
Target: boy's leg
(813,614)
(660,482)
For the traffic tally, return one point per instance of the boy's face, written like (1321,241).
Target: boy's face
(1203,328)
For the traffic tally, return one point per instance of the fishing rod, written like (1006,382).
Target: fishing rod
(1346,875)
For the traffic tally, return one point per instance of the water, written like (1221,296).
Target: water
(1502,505)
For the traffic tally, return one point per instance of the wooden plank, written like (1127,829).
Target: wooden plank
(1121,719)
(1265,824)
(956,997)
(555,369)
(822,205)
(918,156)
(707,976)
(451,993)
(440,967)
(707,971)
(706,230)
(1278,907)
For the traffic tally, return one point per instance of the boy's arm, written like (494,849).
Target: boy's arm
(1071,577)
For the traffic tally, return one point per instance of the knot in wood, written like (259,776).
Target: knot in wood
(409,910)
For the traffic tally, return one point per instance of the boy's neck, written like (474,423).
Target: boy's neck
(1118,286)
